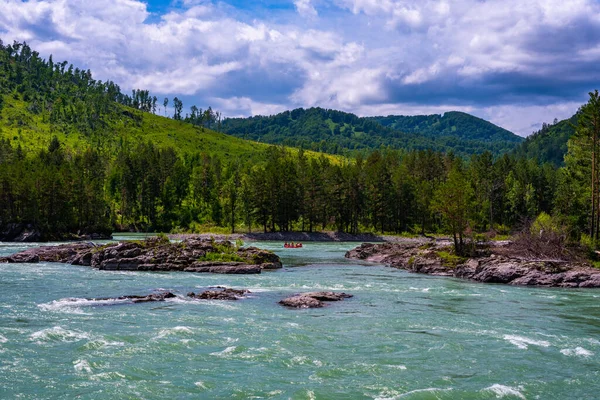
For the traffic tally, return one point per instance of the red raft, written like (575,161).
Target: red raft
(292,245)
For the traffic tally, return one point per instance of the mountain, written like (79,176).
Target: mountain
(549,144)
(453,124)
(338,132)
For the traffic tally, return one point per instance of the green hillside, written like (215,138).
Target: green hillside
(338,132)
(550,143)
(40,99)
(452,125)
(33,131)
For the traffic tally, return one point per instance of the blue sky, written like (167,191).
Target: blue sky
(516,63)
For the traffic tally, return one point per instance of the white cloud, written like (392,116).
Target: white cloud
(525,119)
(244,106)
(305,8)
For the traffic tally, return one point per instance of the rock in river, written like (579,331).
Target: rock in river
(156,254)
(312,299)
(220,293)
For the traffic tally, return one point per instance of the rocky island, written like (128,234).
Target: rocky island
(497,264)
(156,254)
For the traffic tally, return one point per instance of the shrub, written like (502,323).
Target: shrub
(450,260)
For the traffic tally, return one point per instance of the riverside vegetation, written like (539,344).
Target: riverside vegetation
(79,156)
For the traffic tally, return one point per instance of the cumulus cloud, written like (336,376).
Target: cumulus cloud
(513,62)
(305,8)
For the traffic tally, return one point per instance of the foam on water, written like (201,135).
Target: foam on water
(225,353)
(108,376)
(73,304)
(412,392)
(201,385)
(101,343)
(503,391)
(400,367)
(58,334)
(82,366)
(522,342)
(176,330)
(577,351)
(3,339)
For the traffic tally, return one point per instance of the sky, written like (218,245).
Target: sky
(516,63)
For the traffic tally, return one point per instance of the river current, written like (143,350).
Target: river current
(402,335)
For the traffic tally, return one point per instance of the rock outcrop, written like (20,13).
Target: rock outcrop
(416,256)
(190,255)
(312,299)
(220,293)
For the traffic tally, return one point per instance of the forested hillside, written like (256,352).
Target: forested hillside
(343,133)
(452,128)
(549,144)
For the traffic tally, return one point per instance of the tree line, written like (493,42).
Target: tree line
(147,188)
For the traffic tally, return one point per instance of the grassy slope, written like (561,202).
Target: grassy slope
(34,132)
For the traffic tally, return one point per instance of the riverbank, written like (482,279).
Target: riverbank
(496,264)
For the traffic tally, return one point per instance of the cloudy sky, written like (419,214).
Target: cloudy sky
(517,63)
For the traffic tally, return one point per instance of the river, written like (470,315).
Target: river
(402,335)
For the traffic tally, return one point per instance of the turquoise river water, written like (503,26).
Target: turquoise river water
(402,336)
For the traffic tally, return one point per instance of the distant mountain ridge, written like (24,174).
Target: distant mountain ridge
(452,123)
(339,132)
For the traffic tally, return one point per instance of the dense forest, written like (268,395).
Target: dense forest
(147,188)
(151,185)
(549,144)
(453,124)
(338,132)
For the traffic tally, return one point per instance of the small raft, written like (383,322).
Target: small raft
(292,245)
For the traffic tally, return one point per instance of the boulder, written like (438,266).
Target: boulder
(312,299)
(220,293)
(300,301)
(327,296)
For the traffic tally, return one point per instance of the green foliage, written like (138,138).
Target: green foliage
(577,199)
(453,200)
(224,252)
(587,243)
(337,132)
(545,224)
(449,259)
(222,257)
